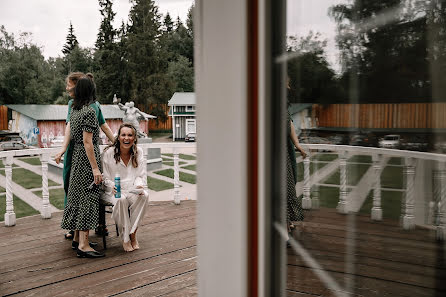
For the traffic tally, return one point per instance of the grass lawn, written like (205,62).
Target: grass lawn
(57,197)
(354,174)
(182,156)
(390,204)
(360,159)
(28,179)
(190,167)
(2,190)
(170,163)
(392,177)
(185,177)
(328,196)
(313,168)
(3,166)
(158,184)
(21,209)
(324,157)
(31,161)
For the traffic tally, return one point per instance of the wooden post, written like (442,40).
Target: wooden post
(377,213)
(10,217)
(409,173)
(314,179)
(342,204)
(46,210)
(441,202)
(176,177)
(306,201)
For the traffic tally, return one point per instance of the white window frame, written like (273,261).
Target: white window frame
(187,126)
(190,108)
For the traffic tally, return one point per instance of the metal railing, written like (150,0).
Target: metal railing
(45,155)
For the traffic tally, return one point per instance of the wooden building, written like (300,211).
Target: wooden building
(40,124)
(182,111)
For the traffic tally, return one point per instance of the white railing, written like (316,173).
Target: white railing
(436,164)
(46,155)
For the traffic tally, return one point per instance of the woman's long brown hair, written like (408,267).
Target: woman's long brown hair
(133,149)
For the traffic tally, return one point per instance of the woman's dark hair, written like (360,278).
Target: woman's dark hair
(117,148)
(84,92)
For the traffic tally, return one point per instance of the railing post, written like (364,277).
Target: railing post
(342,204)
(377,212)
(10,217)
(314,180)
(306,201)
(176,177)
(441,201)
(409,177)
(46,211)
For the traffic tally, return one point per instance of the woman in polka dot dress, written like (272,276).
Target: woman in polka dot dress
(82,209)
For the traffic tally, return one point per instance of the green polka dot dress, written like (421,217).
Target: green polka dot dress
(294,203)
(82,209)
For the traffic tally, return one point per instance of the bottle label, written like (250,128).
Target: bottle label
(118,187)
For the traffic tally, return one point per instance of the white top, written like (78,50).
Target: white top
(130,177)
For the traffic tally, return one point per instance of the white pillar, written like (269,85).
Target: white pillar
(306,201)
(10,217)
(314,179)
(440,196)
(377,213)
(342,204)
(46,211)
(173,123)
(176,177)
(409,177)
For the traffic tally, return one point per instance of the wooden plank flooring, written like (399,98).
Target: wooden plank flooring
(37,261)
(387,260)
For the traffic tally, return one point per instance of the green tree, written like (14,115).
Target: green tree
(146,61)
(181,73)
(311,78)
(71,42)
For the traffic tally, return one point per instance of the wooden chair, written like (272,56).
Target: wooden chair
(102,229)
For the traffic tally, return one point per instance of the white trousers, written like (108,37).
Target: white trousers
(128,212)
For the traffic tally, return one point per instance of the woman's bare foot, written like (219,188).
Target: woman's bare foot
(134,241)
(127,246)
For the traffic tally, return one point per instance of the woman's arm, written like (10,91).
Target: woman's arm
(141,171)
(89,149)
(66,141)
(296,141)
(108,132)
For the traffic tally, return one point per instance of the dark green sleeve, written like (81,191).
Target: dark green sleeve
(97,108)
(69,110)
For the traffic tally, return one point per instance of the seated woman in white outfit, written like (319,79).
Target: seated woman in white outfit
(123,157)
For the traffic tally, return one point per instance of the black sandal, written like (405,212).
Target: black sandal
(69,235)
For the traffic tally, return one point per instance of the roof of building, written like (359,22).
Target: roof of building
(182,98)
(297,107)
(53,112)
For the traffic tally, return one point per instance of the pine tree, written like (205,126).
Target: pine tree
(147,62)
(71,41)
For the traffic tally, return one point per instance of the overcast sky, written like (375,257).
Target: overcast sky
(48,20)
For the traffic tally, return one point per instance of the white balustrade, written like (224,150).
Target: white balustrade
(315,187)
(377,213)
(440,197)
(45,154)
(409,199)
(342,204)
(46,211)
(306,200)
(10,218)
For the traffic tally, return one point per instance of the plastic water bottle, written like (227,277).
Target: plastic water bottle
(118,185)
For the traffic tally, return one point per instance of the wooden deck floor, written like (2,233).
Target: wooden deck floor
(37,261)
(386,260)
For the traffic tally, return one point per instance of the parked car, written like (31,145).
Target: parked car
(338,139)
(191,137)
(314,140)
(416,143)
(390,141)
(12,145)
(362,139)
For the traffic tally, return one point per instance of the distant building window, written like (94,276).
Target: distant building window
(190,108)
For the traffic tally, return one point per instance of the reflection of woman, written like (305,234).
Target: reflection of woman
(123,157)
(82,210)
(67,146)
(294,204)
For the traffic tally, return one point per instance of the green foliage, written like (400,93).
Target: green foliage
(71,42)
(181,73)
